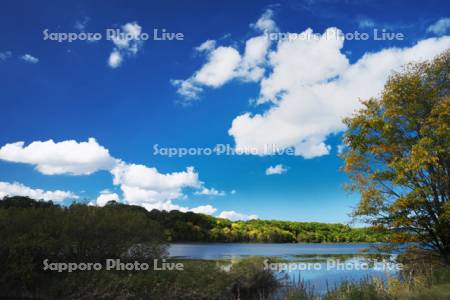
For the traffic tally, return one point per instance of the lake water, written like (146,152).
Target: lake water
(319,265)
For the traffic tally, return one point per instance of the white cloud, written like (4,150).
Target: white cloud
(145,186)
(168,206)
(129,41)
(115,59)
(235,216)
(127,44)
(220,68)
(206,46)
(278,169)
(266,23)
(187,88)
(140,185)
(29,59)
(5,55)
(303,62)
(309,83)
(104,197)
(149,178)
(251,68)
(66,157)
(210,192)
(440,27)
(204,209)
(312,86)
(18,189)
(226,63)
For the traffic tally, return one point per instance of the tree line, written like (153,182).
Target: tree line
(191,227)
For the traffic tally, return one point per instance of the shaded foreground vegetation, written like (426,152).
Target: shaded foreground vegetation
(424,277)
(32,231)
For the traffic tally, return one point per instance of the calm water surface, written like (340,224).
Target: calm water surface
(319,265)
(236,250)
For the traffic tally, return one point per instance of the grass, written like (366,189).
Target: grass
(247,280)
(432,286)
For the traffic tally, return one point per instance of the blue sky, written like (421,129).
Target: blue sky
(241,88)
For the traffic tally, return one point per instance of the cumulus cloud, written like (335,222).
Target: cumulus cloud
(303,62)
(309,84)
(204,209)
(312,86)
(145,186)
(149,178)
(126,44)
(29,59)
(210,192)
(66,157)
(276,170)
(104,197)
(18,189)
(251,68)
(219,69)
(440,27)
(235,216)
(140,184)
(225,63)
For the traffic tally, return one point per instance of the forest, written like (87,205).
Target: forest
(178,226)
(191,227)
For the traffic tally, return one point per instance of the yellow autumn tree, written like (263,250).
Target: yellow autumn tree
(398,156)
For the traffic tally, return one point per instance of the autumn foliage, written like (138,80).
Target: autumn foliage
(398,156)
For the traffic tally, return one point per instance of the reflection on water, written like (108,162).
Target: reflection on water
(320,266)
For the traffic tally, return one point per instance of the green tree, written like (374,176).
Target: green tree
(398,155)
(32,231)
